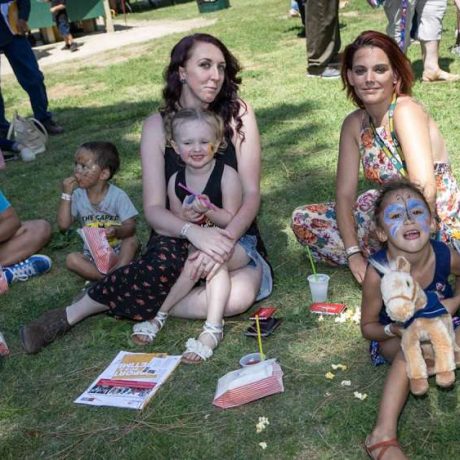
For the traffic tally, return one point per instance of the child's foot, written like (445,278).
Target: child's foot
(388,449)
(202,349)
(146,332)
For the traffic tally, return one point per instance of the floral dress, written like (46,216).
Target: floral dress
(315,225)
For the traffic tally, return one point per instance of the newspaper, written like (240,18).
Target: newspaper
(130,381)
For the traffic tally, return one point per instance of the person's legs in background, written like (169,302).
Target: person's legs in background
(323,38)
(25,67)
(399,24)
(431,13)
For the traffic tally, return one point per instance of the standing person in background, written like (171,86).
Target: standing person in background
(323,38)
(59,12)
(16,47)
(430,14)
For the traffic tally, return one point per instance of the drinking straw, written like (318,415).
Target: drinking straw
(312,263)
(259,339)
(206,202)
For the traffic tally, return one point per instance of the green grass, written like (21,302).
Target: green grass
(299,120)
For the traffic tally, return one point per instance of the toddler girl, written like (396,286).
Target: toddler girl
(206,192)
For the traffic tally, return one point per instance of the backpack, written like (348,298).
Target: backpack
(29,132)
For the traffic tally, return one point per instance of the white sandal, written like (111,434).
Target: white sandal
(216,331)
(149,329)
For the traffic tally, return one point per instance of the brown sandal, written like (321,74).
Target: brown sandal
(383,445)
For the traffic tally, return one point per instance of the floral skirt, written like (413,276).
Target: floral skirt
(315,225)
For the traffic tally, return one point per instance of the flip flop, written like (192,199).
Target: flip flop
(383,445)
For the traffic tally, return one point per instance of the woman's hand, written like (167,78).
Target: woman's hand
(216,242)
(357,264)
(202,266)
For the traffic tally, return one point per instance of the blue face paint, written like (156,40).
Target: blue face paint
(414,210)
(394,216)
(419,213)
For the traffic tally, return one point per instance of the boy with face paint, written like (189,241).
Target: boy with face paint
(90,198)
(404,224)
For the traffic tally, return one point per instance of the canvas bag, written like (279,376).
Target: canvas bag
(29,132)
(248,384)
(103,254)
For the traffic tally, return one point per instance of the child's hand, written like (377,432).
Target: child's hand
(201,204)
(69,184)
(188,212)
(111,232)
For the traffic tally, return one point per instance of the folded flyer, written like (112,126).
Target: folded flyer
(130,381)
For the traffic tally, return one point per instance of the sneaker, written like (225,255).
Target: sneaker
(52,127)
(33,266)
(65,47)
(328,73)
(73,47)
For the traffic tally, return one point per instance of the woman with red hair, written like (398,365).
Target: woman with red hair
(392,136)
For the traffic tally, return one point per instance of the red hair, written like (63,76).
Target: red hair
(399,62)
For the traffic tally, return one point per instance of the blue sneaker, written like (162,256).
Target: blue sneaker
(33,266)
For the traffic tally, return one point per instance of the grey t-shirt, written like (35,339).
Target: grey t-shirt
(114,209)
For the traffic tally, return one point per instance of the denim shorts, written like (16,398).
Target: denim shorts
(249,244)
(62,23)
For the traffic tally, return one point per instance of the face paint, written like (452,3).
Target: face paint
(412,209)
(83,169)
(419,213)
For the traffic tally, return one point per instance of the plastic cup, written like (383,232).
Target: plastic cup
(319,284)
(249,360)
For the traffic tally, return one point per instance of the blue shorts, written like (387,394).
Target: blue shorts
(249,244)
(62,23)
(374,347)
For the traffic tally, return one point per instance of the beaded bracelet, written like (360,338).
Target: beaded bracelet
(66,197)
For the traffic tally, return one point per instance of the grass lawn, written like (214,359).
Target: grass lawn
(107,98)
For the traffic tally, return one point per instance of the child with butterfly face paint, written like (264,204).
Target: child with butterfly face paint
(404,224)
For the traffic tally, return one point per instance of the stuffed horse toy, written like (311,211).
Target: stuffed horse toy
(424,319)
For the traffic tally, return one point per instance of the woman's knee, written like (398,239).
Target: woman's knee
(73,261)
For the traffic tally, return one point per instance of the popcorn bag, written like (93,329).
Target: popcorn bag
(3,281)
(4,350)
(101,251)
(248,384)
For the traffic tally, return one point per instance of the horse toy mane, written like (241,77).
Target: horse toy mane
(424,319)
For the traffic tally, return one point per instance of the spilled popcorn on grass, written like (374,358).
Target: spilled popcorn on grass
(349,315)
(361,396)
(329,375)
(263,423)
(345,383)
(263,445)
(342,367)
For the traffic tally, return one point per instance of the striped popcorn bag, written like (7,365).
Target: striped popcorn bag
(103,254)
(248,384)
(3,281)
(4,350)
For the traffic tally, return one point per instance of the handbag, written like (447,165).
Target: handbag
(29,132)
